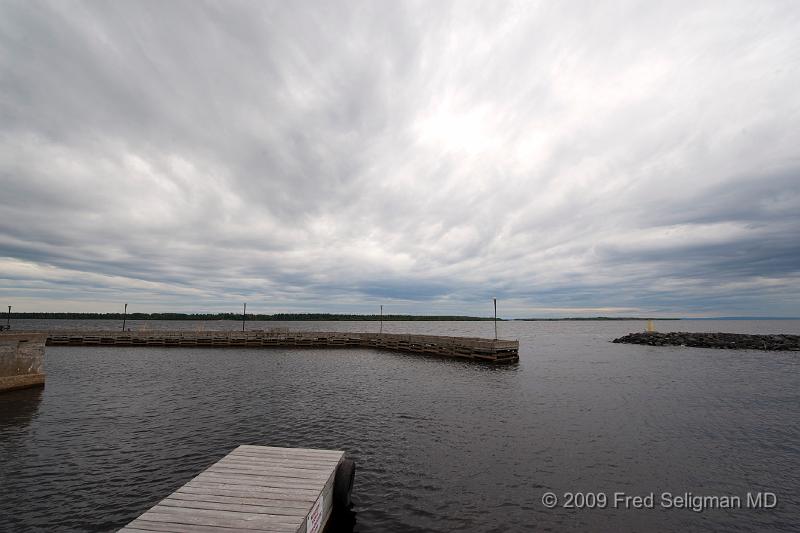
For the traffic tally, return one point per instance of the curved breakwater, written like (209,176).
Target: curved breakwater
(471,348)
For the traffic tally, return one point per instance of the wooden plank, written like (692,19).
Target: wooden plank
(268,480)
(181,513)
(192,517)
(295,451)
(287,452)
(313,462)
(225,488)
(262,481)
(276,468)
(299,452)
(255,461)
(266,470)
(172,527)
(217,484)
(254,458)
(216,498)
(276,509)
(319,461)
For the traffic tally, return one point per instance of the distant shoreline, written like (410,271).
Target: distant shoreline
(340,317)
(300,317)
(281,317)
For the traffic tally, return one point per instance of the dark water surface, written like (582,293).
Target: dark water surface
(440,445)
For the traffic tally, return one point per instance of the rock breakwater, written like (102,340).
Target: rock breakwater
(715,340)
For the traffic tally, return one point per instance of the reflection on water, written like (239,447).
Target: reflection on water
(440,445)
(18,408)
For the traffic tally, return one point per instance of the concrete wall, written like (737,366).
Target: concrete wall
(21,360)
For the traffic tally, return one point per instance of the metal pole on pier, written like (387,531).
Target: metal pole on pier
(244,315)
(495,318)
(8,320)
(124,316)
(381,320)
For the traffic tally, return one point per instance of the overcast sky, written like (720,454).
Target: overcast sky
(570,158)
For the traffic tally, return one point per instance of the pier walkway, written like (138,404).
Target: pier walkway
(476,349)
(253,488)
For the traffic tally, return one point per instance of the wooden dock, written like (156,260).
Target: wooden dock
(470,348)
(253,488)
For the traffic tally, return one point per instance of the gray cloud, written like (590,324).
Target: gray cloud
(611,158)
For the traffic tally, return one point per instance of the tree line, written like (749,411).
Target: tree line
(238,316)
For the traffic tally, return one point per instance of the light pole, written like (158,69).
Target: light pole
(124,316)
(8,320)
(244,315)
(381,320)
(495,318)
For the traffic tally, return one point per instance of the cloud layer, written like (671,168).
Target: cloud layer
(597,158)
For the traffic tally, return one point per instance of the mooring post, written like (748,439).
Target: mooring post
(495,318)
(244,315)
(381,320)
(124,316)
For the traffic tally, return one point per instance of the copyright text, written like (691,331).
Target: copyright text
(665,500)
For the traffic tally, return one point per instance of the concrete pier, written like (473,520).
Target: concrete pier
(469,348)
(21,360)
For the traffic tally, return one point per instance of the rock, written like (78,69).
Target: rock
(715,340)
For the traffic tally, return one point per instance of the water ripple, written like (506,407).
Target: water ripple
(440,445)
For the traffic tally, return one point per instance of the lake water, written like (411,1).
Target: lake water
(440,445)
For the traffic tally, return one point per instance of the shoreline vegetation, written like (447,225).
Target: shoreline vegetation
(288,317)
(282,317)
